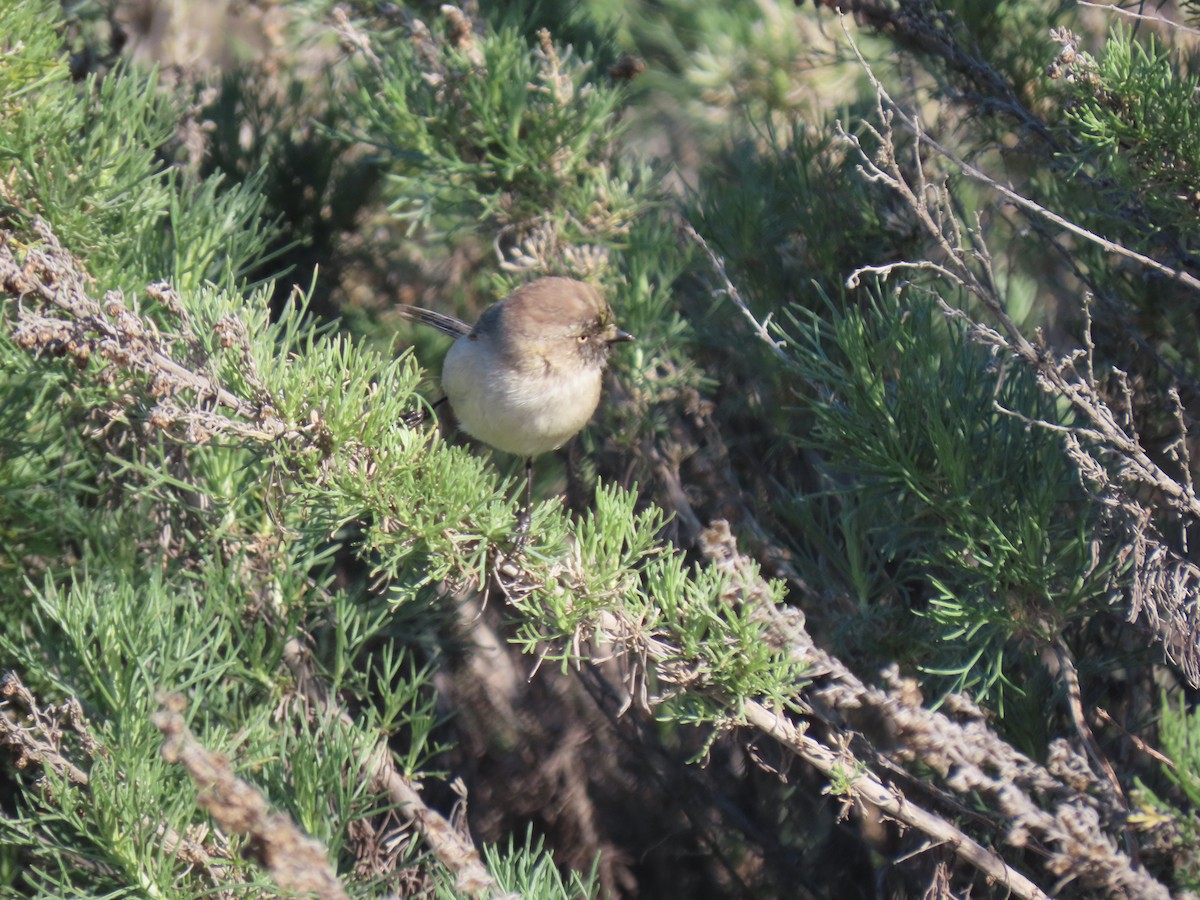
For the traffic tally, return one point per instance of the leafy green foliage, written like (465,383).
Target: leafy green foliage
(1136,114)
(529,871)
(484,128)
(91,156)
(944,485)
(907,490)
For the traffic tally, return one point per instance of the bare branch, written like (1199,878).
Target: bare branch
(973,760)
(38,741)
(454,850)
(1141,17)
(297,862)
(109,330)
(844,769)
(760,328)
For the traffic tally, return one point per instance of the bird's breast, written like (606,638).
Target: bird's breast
(528,408)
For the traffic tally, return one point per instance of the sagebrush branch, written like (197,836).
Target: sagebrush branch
(37,742)
(1033,806)
(454,850)
(1164,584)
(971,759)
(56,315)
(297,862)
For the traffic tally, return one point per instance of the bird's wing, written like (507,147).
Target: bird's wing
(450,325)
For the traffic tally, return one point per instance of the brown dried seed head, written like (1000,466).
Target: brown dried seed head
(160,418)
(114,304)
(627,68)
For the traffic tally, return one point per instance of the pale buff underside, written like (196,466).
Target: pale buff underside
(526,412)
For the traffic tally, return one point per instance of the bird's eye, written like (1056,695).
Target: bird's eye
(583,339)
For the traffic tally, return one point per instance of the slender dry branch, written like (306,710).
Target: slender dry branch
(761,329)
(297,862)
(37,740)
(57,316)
(1030,206)
(1165,586)
(1142,17)
(849,773)
(972,760)
(453,849)
(913,124)
(925,28)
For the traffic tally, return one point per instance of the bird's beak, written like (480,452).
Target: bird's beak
(621,337)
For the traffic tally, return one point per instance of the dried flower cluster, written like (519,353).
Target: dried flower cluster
(57,316)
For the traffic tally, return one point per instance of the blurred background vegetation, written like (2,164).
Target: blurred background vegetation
(970,464)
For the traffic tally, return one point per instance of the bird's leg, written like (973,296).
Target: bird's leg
(521,534)
(523,519)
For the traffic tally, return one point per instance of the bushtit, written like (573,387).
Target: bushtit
(527,377)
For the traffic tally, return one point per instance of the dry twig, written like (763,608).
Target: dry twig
(971,759)
(296,861)
(1165,587)
(453,849)
(39,741)
(57,316)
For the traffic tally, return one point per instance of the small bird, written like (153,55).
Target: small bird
(526,378)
